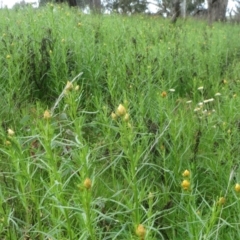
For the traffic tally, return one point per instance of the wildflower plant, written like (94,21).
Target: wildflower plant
(108,135)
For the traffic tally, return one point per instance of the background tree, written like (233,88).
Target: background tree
(72,3)
(217,10)
(176,11)
(126,6)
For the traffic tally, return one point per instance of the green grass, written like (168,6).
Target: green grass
(82,172)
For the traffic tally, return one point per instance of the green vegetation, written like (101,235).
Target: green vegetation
(143,144)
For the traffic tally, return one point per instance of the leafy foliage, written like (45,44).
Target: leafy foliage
(117,127)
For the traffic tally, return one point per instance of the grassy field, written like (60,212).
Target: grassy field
(118,127)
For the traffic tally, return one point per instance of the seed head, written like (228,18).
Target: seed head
(87,183)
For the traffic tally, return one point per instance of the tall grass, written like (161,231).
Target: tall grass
(143,144)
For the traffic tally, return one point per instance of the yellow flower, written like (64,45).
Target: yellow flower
(8,56)
(46,115)
(185,184)
(237,188)
(141,231)
(76,88)
(162,147)
(164,94)
(150,196)
(126,117)
(113,116)
(69,86)
(87,183)
(221,201)
(10,132)
(7,143)
(186,173)
(121,110)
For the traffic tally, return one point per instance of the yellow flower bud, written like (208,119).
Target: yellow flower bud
(69,86)
(185,184)
(237,188)
(126,117)
(141,231)
(7,143)
(10,132)
(222,201)
(87,183)
(113,116)
(47,115)
(186,173)
(76,88)
(121,110)
(164,94)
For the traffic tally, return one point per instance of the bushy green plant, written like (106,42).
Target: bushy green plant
(117,127)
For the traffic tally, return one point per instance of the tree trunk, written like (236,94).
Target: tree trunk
(95,6)
(176,10)
(217,10)
(72,3)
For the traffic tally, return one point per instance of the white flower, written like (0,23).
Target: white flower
(218,94)
(197,109)
(171,90)
(200,88)
(208,100)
